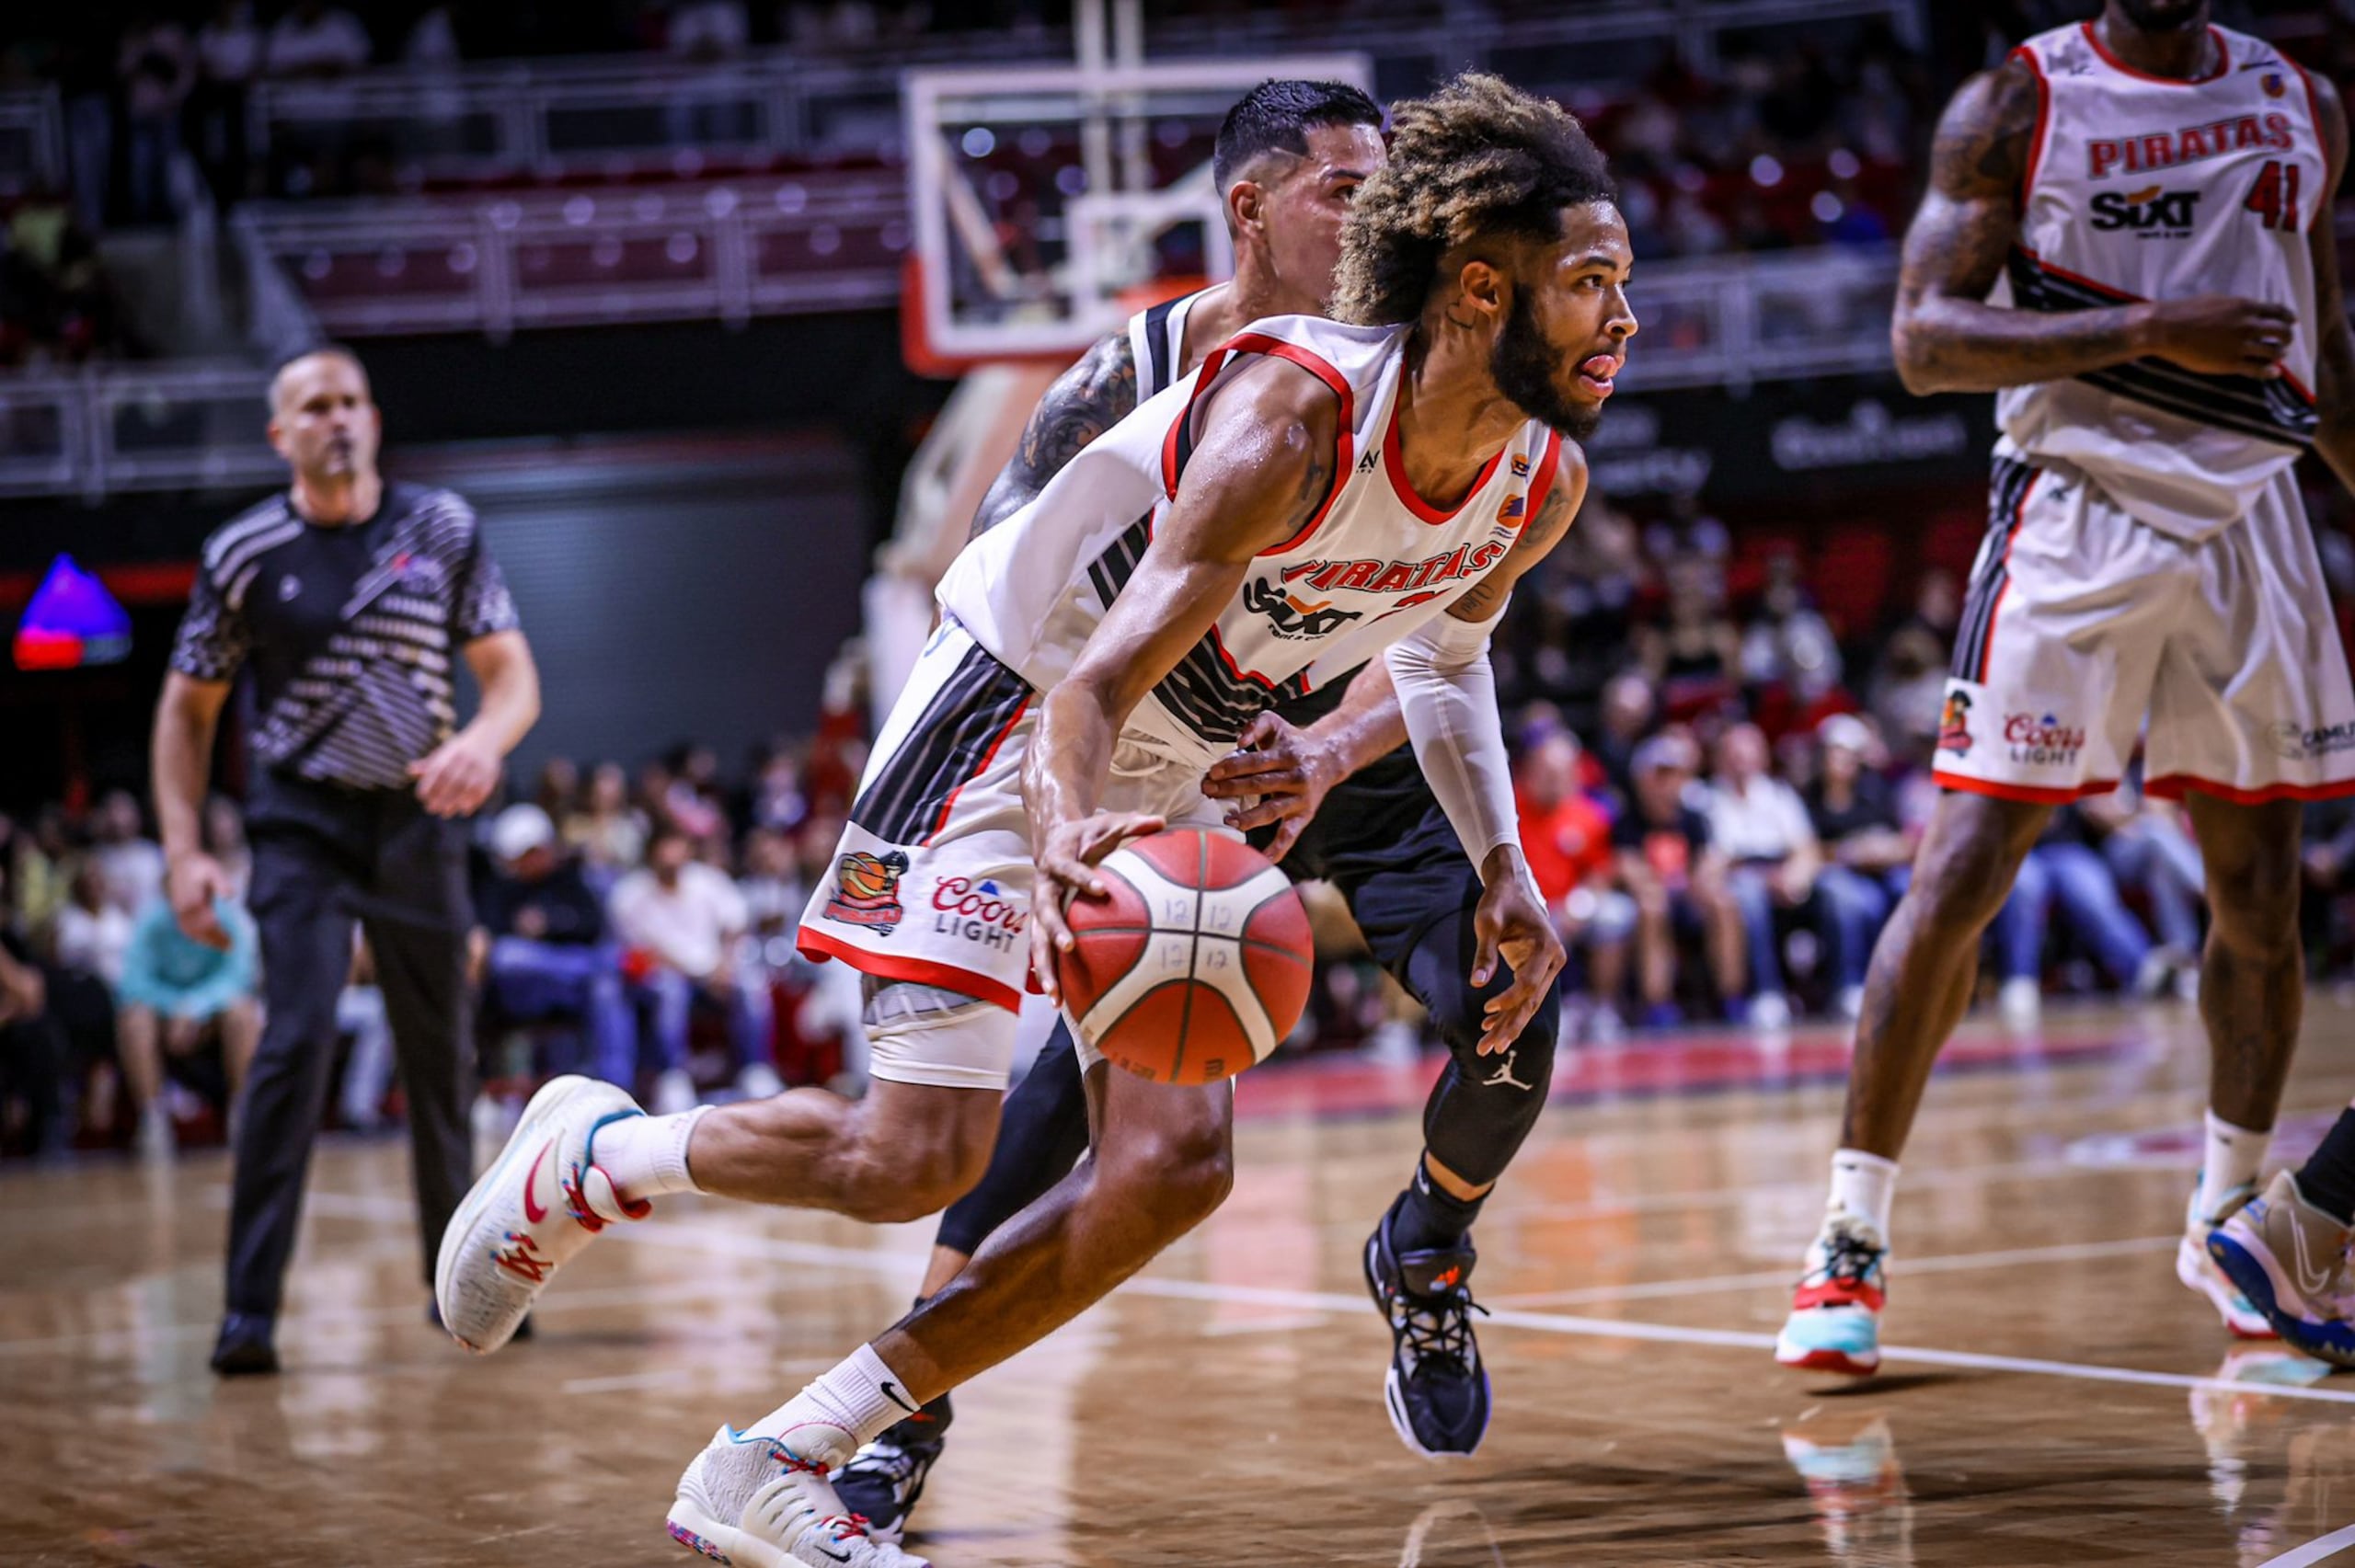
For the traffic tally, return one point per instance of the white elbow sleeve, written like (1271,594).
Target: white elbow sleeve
(1448,698)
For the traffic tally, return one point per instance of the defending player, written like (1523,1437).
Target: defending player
(1090,669)
(1290,157)
(2148,198)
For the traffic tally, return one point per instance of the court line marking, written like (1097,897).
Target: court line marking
(1951,1263)
(708,1237)
(2315,1551)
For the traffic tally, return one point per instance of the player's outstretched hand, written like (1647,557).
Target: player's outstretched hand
(1066,859)
(457,776)
(2219,334)
(1511,922)
(1287,768)
(192,883)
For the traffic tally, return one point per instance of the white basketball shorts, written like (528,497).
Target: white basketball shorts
(2083,622)
(931,882)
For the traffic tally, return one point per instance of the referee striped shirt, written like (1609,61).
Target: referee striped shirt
(349,631)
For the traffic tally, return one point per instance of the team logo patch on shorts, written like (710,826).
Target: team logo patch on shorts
(867,891)
(1954,722)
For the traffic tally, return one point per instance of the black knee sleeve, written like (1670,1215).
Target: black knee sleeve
(1482,1107)
(1041,1135)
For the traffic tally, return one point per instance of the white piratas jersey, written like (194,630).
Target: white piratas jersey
(1372,565)
(1157,339)
(2143,187)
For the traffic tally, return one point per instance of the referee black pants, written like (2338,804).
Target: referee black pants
(323,862)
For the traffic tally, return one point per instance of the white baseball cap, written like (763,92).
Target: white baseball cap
(518,831)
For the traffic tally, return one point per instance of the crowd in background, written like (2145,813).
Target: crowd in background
(1720,798)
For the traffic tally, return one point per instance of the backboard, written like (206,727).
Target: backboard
(1045,196)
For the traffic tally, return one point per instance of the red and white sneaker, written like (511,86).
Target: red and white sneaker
(542,1200)
(764,1503)
(1834,1324)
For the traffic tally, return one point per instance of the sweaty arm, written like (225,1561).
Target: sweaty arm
(2334,346)
(1086,400)
(1263,466)
(1448,695)
(1948,339)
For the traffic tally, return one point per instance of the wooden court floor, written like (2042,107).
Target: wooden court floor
(2058,1398)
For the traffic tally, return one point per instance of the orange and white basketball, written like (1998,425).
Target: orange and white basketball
(1195,967)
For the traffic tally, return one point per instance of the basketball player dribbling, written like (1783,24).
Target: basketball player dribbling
(1098,652)
(2148,198)
(1289,159)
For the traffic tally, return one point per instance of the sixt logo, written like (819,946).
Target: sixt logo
(2151,213)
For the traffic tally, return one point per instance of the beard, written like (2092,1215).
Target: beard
(2164,15)
(1523,364)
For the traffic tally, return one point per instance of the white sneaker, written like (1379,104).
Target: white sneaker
(755,1502)
(759,1081)
(2198,1271)
(1851,1005)
(2020,1002)
(675,1092)
(539,1204)
(1771,1011)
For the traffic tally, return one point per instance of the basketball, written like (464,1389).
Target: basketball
(1194,965)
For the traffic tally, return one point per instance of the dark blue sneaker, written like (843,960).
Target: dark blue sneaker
(244,1348)
(884,1479)
(1437,1390)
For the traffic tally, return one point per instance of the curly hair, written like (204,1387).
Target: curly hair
(1478,157)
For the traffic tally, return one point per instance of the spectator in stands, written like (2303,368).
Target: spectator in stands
(41,876)
(155,69)
(93,932)
(176,993)
(1760,824)
(132,862)
(56,303)
(225,841)
(229,55)
(558,793)
(1693,661)
(777,802)
(1628,710)
(2327,865)
(360,1013)
(2149,847)
(609,832)
(91,941)
(33,1049)
(1567,840)
(2063,869)
(1868,859)
(1908,691)
(317,40)
(1676,876)
(681,921)
(547,953)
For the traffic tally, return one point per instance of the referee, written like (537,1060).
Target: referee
(346,599)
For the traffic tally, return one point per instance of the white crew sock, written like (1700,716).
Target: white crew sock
(2232,1157)
(862,1396)
(647,1156)
(1862,1185)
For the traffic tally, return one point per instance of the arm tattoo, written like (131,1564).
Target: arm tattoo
(1946,339)
(1537,540)
(1085,401)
